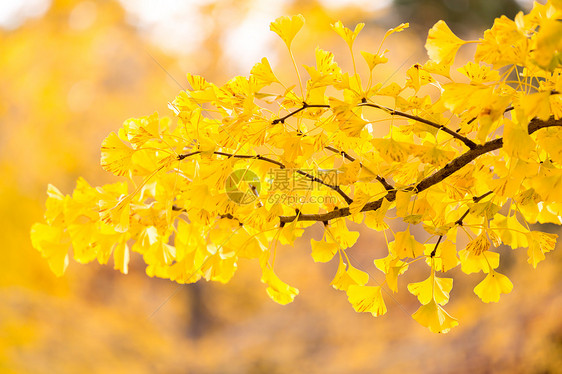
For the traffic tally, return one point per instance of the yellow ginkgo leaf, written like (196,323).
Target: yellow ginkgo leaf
(510,230)
(262,70)
(287,27)
(479,245)
(539,244)
(433,288)
(401,27)
(392,267)
(445,256)
(435,318)
(116,155)
(471,263)
(536,105)
(323,251)
(374,59)
(140,130)
(116,213)
(479,73)
(49,241)
(348,277)
(348,173)
(375,220)
(339,233)
(492,286)
(435,67)
(359,200)
(325,63)
(279,291)
(366,299)
(549,45)
(442,44)
(417,77)
(405,245)
(393,90)
(347,35)
(54,204)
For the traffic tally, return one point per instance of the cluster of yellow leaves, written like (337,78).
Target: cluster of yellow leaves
(252,163)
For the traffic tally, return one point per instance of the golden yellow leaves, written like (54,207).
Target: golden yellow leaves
(332,126)
(479,73)
(287,27)
(492,286)
(479,245)
(539,244)
(442,45)
(405,245)
(347,276)
(76,221)
(50,241)
(323,251)
(417,77)
(548,52)
(374,59)
(433,288)
(346,34)
(263,72)
(435,318)
(279,291)
(326,73)
(492,48)
(366,299)
(116,155)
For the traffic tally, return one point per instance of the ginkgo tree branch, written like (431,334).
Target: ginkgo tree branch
(203,215)
(469,143)
(383,181)
(312,178)
(474,199)
(450,168)
(304,106)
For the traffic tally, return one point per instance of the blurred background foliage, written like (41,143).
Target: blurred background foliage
(72,71)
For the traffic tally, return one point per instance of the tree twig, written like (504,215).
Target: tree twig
(469,143)
(304,106)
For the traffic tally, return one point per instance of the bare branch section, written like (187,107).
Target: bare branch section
(454,165)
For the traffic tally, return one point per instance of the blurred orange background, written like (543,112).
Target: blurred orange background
(71,71)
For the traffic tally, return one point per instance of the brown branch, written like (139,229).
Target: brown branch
(304,106)
(436,245)
(469,143)
(383,181)
(475,199)
(456,164)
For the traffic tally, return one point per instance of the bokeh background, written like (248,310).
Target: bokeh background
(71,71)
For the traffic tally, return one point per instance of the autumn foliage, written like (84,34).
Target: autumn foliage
(467,158)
